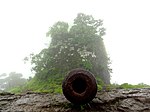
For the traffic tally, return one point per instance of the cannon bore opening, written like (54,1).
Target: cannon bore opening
(79,85)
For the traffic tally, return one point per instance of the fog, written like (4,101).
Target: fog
(23,26)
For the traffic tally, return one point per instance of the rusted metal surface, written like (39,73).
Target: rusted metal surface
(79,87)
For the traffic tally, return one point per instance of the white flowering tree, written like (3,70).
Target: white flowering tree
(80,46)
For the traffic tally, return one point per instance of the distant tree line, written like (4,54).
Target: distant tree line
(11,80)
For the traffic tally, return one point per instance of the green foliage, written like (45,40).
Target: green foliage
(142,85)
(16,90)
(12,80)
(51,86)
(100,83)
(58,29)
(128,86)
(86,64)
(78,46)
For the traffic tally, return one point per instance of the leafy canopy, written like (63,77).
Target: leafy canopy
(78,46)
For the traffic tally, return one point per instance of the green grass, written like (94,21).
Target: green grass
(35,85)
(130,86)
(53,84)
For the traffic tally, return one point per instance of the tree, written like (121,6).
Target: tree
(81,46)
(3,75)
(12,80)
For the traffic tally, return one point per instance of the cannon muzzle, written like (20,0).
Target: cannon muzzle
(79,86)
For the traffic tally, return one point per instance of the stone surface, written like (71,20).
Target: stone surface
(118,100)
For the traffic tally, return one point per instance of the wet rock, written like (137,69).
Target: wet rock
(5,93)
(119,100)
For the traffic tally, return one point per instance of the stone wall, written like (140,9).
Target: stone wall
(117,100)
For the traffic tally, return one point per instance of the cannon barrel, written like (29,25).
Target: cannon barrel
(79,86)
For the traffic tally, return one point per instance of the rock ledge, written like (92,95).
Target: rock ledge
(117,100)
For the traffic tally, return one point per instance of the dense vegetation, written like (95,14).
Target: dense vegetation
(77,46)
(130,86)
(80,46)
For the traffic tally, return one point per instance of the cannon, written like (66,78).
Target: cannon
(79,86)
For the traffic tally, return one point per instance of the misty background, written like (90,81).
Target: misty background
(23,27)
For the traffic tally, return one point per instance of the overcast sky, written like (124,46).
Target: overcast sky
(24,23)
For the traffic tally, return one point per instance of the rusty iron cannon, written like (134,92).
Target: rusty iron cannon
(79,86)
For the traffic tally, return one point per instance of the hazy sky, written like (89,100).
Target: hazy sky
(24,23)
